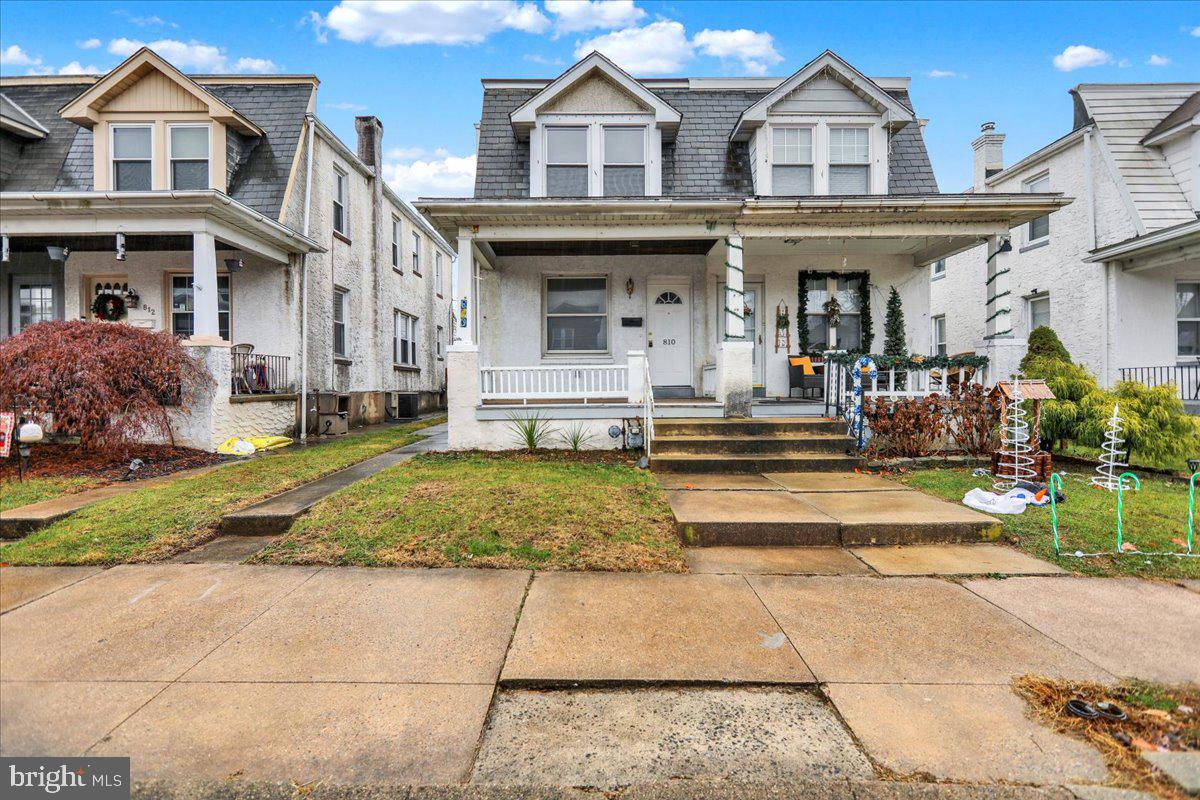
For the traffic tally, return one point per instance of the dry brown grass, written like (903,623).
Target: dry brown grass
(1150,724)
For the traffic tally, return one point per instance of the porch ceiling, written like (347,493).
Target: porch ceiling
(101,244)
(606,247)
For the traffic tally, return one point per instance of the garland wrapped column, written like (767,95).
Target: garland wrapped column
(735,295)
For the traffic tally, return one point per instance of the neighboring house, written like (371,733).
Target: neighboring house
(190,197)
(1117,273)
(625,231)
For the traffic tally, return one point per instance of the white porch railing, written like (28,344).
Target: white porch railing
(586,382)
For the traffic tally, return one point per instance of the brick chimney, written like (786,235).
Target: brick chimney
(370,141)
(989,154)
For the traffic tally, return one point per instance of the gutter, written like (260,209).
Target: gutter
(1057,146)
(1135,246)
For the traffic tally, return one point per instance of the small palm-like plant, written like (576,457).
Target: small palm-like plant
(576,437)
(533,431)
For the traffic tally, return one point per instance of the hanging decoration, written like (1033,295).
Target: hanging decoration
(109,307)
(1016,461)
(913,363)
(864,305)
(1112,455)
(783,327)
(833,311)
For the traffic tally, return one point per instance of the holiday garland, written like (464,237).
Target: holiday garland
(109,307)
(884,362)
(864,304)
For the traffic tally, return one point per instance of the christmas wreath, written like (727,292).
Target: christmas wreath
(109,307)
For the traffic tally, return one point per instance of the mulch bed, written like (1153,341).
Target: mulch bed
(55,460)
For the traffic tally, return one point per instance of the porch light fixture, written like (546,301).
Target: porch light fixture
(4,249)
(58,253)
(120,247)
(629,287)
(234,264)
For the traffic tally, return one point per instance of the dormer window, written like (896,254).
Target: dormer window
(624,161)
(792,161)
(189,154)
(132,157)
(849,161)
(567,162)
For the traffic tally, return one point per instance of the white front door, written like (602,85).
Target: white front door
(669,333)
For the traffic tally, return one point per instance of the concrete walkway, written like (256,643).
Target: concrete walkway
(373,676)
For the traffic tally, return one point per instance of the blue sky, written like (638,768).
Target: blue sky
(417,65)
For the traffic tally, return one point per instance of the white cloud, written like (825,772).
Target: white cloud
(89,44)
(1156,60)
(75,68)
(346,106)
(192,55)
(1124,63)
(146,21)
(654,49)
(942,73)
(405,153)
(14,56)
(1195,31)
(444,175)
(430,21)
(1078,56)
(572,16)
(320,29)
(534,58)
(755,50)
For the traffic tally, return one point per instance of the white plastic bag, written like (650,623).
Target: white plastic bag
(1013,502)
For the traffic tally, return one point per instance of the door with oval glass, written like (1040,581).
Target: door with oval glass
(669,333)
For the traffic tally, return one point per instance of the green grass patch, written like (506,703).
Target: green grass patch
(14,494)
(1084,451)
(157,522)
(530,511)
(1155,520)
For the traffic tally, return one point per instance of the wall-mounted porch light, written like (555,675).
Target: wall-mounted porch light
(4,249)
(234,264)
(58,253)
(120,247)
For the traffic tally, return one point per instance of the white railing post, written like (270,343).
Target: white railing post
(637,376)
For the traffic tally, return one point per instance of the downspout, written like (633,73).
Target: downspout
(1089,199)
(308,171)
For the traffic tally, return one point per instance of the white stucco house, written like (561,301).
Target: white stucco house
(632,238)
(1116,274)
(220,208)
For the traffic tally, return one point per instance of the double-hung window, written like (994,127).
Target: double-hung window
(132,154)
(189,155)
(341,202)
(624,161)
(416,253)
(404,339)
(939,268)
(792,161)
(1187,319)
(341,313)
(939,335)
(567,161)
(849,161)
(1039,312)
(183,312)
(437,273)
(396,236)
(1039,228)
(576,312)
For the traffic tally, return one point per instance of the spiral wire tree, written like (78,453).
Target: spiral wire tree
(1112,456)
(1016,461)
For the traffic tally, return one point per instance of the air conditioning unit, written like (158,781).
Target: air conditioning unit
(403,405)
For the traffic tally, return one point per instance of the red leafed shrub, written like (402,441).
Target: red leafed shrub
(974,419)
(905,428)
(108,384)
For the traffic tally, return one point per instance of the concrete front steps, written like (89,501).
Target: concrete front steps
(796,444)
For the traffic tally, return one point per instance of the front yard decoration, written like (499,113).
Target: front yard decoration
(783,327)
(1111,455)
(1016,463)
(856,426)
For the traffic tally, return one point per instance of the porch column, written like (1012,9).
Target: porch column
(735,355)
(206,329)
(1003,349)
(465,292)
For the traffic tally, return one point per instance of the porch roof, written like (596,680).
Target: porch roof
(154,213)
(1159,248)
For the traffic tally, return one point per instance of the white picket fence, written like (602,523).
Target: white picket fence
(586,382)
(898,384)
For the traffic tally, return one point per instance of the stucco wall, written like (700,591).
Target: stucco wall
(258,417)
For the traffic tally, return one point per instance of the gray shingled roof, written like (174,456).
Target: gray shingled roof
(63,160)
(701,162)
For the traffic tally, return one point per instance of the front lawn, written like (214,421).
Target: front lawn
(534,511)
(1155,520)
(14,494)
(157,522)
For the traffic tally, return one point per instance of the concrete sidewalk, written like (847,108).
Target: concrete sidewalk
(374,676)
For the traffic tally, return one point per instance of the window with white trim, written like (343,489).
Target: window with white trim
(341,202)
(576,314)
(792,161)
(188,149)
(183,311)
(132,158)
(437,272)
(624,161)
(397,233)
(849,160)
(416,253)
(1038,229)
(848,333)
(1039,312)
(939,335)
(341,313)
(1187,319)
(567,161)
(939,268)
(404,339)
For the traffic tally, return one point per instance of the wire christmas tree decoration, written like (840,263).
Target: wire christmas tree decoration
(1111,456)
(1016,461)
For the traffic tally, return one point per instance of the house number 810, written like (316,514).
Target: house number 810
(668,341)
